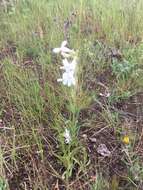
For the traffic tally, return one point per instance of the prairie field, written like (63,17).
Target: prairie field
(71,94)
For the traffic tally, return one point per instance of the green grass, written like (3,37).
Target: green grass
(35,108)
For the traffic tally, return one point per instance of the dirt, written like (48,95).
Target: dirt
(30,165)
(131,122)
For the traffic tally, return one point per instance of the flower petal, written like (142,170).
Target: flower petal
(67,136)
(56,50)
(69,83)
(65,78)
(64,43)
(73,64)
(65,62)
(66,50)
(59,80)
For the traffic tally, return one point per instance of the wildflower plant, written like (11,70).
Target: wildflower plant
(69,79)
(69,146)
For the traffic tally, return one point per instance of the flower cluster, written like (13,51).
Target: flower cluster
(67,136)
(69,64)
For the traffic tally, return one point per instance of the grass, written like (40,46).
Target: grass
(35,109)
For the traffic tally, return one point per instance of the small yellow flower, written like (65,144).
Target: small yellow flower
(126,140)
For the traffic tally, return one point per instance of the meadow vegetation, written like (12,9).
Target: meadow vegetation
(103,112)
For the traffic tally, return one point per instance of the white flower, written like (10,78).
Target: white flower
(67,136)
(69,66)
(67,79)
(63,49)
